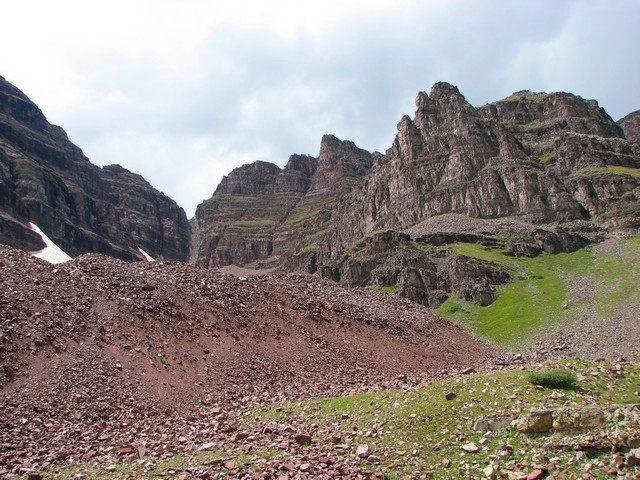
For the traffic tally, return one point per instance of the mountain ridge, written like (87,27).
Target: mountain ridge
(555,161)
(47,180)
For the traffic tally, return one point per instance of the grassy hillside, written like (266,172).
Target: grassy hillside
(551,290)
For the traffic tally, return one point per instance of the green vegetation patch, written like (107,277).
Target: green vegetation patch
(607,171)
(634,172)
(524,97)
(253,224)
(546,157)
(539,297)
(556,378)
(384,288)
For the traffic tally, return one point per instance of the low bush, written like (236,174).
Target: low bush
(556,378)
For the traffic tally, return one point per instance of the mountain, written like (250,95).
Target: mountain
(260,213)
(531,173)
(631,127)
(47,180)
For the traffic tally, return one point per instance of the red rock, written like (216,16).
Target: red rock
(363,451)
(470,447)
(536,474)
(302,439)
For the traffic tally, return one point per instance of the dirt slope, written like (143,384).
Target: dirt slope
(99,345)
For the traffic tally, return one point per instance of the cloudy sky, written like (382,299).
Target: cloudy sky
(182,91)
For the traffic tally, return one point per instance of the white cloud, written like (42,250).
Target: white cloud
(181,91)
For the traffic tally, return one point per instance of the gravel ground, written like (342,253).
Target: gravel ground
(97,355)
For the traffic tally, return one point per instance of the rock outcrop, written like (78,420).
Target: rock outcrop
(631,127)
(555,164)
(543,158)
(47,180)
(261,215)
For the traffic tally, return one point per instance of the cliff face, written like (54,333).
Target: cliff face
(238,224)
(555,165)
(631,127)
(261,215)
(544,158)
(47,180)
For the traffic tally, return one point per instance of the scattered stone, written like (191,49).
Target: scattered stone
(363,451)
(470,447)
(632,459)
(536,474)
(373,459)
(208,446)
(302,439)
(490,472)
(535,422)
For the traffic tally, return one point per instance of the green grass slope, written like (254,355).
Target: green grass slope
(542,296)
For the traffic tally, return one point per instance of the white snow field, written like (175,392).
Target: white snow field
(146,255)
(51,253)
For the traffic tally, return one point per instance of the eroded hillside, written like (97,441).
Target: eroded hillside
(99,347)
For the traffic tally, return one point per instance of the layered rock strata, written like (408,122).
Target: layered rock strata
(555,164)
(47,180)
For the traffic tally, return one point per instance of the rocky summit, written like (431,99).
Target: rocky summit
(533,172)
(45,179)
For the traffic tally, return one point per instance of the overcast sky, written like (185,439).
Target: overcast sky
(183,91)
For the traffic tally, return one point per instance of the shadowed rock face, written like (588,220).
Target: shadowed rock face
(47,180)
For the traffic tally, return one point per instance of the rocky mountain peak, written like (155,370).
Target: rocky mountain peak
(631,128)
(47,180)
(338,159)
(555,111)
(252,179)
(445,104)
(15,104)
(305,164)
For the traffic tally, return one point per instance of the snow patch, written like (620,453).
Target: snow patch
(51,253)
(146,255)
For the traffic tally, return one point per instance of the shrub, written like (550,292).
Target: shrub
(557,378)
(453,308)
